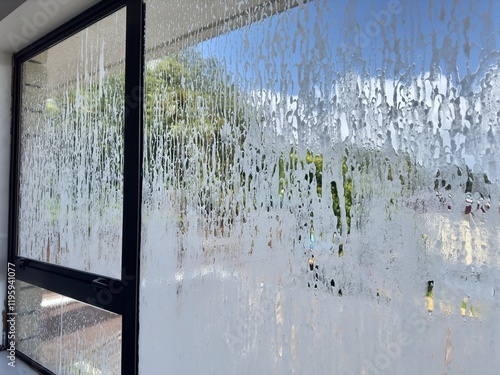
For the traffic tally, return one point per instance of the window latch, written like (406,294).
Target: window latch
(22,262)
(100,283)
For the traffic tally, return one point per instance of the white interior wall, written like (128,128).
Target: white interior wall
(5,101)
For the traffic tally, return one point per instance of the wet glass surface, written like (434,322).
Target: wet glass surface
(71,165)
(321,187)
(67,336)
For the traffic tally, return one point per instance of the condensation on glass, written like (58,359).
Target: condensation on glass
(321,187)
(67,336)
(71,166)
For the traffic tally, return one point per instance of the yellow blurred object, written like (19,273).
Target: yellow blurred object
(463,307)
(430,304)
(311,262)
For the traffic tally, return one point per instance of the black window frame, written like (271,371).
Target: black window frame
(84,286)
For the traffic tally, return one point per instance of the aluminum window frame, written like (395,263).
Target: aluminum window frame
(73,283)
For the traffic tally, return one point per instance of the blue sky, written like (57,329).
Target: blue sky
(321,39)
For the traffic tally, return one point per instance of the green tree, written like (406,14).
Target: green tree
(195,122)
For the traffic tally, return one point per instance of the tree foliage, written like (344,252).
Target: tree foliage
(196,124)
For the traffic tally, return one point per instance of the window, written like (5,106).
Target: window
(261,187)
(65,335)
(318,188)
(71,165)
(71,215)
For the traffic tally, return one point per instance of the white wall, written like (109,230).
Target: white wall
(5,103)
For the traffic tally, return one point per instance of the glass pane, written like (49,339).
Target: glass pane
(321,188)
(65,335)
(71,187)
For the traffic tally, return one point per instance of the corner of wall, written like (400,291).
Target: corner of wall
(5,140)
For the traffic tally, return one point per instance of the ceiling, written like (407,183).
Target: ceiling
(22,22)
(16,16)
(8,6)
